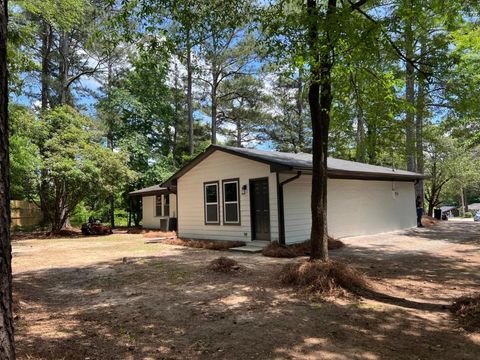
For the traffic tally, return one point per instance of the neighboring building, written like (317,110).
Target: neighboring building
(449,211)
(229,193)
(474,208)
(159,207)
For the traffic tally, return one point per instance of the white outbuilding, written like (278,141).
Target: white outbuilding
(228,193)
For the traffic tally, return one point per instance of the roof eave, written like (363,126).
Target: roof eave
(160,191)
(276,166)
(359,175)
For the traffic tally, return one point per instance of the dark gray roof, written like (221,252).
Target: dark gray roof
(304,161)
(284,162)
(474,206)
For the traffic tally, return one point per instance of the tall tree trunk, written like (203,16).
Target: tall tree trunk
(360,134)
(138,212)
(64,67)
(320,101)
(409,97)
(112,210)
(213,95)
(214,108)
(47,38)
(46,50)
(420,110)
(300,128)
(189,96)
(462,200)
(371,144)
(239,132)
(419,186)
(129,224)
(176,122)
(7,347)
(110,141)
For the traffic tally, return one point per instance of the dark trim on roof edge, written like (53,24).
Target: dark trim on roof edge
(276,167)
(211,149)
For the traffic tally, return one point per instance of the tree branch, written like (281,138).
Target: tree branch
(390,41)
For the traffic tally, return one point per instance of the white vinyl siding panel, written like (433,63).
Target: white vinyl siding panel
(217,167)
(355,207)
(149,220)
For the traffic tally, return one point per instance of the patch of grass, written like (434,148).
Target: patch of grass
(223,264)
(204,244)
(274,249)
(467,310)
(322,277)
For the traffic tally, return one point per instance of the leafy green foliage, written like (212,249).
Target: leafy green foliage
(250,65)
(24,157)
(73,164)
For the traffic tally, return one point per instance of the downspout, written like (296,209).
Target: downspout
(281,210)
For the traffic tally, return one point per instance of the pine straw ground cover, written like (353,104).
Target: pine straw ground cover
(429,221)
(155,234)
(467,310)
(204,244)
(223,264)
(295,250)
(69,232)
(324,278)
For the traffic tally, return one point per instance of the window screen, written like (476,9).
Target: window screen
(231,208)
(211,203)
(158,205)
(166,205)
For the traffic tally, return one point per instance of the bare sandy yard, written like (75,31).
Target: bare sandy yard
(115,297)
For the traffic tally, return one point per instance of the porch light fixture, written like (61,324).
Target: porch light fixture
(244,189)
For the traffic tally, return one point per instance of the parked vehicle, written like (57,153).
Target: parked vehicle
(95,227)
(477,216)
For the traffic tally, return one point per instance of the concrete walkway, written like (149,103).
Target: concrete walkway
(441,237)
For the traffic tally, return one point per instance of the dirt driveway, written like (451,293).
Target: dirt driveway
(118,298)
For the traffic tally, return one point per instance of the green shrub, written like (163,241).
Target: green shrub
(79,215)
(468,214)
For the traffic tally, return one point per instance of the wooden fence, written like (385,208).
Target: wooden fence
(25,215)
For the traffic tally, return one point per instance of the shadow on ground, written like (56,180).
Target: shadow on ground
(171,307)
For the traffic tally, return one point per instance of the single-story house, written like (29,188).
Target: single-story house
(228,193)
(449,211)
(159,207)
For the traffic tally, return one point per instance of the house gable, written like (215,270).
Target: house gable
(221,167)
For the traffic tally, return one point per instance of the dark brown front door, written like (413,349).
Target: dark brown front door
(260,209)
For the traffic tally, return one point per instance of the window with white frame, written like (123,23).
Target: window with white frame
(231,202)
(212,215)
(158,205)
(166,205)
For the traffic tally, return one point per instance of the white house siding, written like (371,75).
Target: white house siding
(217,167)
(355,207)
(173,205)
(150,221)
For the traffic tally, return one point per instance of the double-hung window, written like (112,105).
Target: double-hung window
(162,205)
(158,205)
(211,196)
(166,205)
(231,202)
